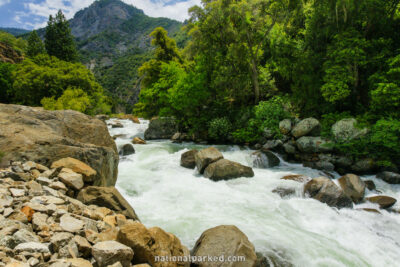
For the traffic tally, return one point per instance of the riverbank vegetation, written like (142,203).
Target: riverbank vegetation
(249,64)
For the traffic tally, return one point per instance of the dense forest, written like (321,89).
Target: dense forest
(250,64)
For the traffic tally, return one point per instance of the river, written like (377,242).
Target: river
(302,230)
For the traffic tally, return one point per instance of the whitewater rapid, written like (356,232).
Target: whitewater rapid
(302,230)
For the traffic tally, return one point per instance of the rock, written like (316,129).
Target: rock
(126,150)
(59,240)
(207,156)
(161,128)
(308,144)
(267,133)
(39,221)
(188,159)
(326,191)
(102,117)
(353,187)
(320,165)
(309,126)
(108,197)
(147,244)
(45,136)
(274,145)
(389,177)
(29,165)
(28,211)
(285,126)
(24,236)
(117,124)
(370,185)
(176,138)
(297,178)
(384,202)
(77,262)
(364,166)
(71,179)
(109,252)
(346,130)
(33,247)
(284,192)
(15,192)
(138,141)
(84,246)
(77,166)
(265,159)
(70,224)
(225,240)
(289,148)
(225,169)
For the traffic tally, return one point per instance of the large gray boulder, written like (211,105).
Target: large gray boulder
(309,144)
(46,136)
(353,187)
(161,128)
(326,191)
(224,169)
(389,177)
(309,127)
(265,159)
(188,159)
(207,156)
(226,240)
(346,130)
(285,126)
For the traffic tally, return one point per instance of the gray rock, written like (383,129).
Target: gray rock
(389,177)
(32,247)
(109,252)
(353,187)
(272,145)
(267,133)
(346,130)
(265,159)
(289,149)
(364,166)
(284,192)
(71,179)
(307,127)
(326,191)
(285,126)
(59,240)
(161,128)
(207,156)
(309,144)
(70,224)
(188,159)
(225,169)
(24,236)
(126,150)
(39,221)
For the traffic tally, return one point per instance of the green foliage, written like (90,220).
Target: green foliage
(35,45)
(220,129)
(18,44)
(59,41)
(1,155)
(6,81)
(72,98)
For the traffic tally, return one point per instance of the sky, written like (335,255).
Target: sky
(33,14)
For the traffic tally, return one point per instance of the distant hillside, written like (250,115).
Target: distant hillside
(14,31)
(113,39)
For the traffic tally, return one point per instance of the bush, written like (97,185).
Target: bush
(220,129)
(6,81)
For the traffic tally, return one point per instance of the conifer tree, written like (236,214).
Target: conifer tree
(35,45)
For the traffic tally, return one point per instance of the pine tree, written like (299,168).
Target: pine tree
(35,45)
(59,41)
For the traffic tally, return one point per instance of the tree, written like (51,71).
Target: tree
(59,41)
(6,81)
(35,45)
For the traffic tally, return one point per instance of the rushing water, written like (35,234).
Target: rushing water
(303,230)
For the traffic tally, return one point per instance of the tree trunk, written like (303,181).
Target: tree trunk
(254,77)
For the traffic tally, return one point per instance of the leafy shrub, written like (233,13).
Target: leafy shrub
(220,129)
(6,81)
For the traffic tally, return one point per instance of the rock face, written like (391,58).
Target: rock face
(9,55)
(109,252)
(147,244)
(265,159)
(225,240)
(161,128)
(126,150)
(384,202)
(326,191)
(188,159)
(108,197)
(346,130)
(307,127)
(207,156)
(224,169)
(389,177)
(308,144)
(47,136)
(353,187)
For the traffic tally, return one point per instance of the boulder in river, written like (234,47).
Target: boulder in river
(310,144)
(384,202)
(389,177)
(297,178)
(117,124)
(127,149)
(353,187)
(224,169)
(108,197)
(225,241)
(326,191)
(363,166)
(46,136)
(307,127)
(346,130)
(188,159)
(148,244)
(161,128)
(265,159)
(207,156)
(138,141)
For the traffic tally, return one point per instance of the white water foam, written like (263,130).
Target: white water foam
(303,230)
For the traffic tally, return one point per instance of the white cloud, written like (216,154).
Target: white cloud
(177,11)
(3,2)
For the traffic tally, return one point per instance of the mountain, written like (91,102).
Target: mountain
(113,39)
(14,31)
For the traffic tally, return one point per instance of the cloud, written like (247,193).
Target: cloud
(45,8)
(3,2)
